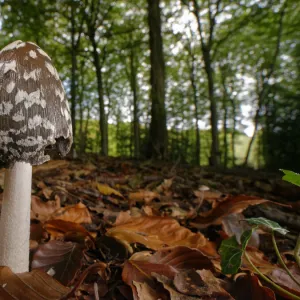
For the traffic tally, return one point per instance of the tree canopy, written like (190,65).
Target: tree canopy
(177,80)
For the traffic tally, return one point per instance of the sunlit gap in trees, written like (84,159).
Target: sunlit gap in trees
(186,23)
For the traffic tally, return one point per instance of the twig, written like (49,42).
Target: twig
(297,251)
(277,287)
(281,260)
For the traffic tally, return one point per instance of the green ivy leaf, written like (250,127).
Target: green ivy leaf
(231,252)
(267,223)
(291,177)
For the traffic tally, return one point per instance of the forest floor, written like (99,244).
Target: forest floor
(110,228)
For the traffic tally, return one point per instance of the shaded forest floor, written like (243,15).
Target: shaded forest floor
(119,229)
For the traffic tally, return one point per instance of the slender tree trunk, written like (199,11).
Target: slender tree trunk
(118,133)
(215,152)
(73,72)
(206,53)
(80,132)
(225,131)
(195,99)
(226,97)
(81,110)
(158,129)
(233,130)
(102,121)
(86,128)
(134,89)
(76,31)
(265,86)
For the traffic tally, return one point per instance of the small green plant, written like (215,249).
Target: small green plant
(232,252)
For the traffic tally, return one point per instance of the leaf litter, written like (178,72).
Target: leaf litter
(116,229)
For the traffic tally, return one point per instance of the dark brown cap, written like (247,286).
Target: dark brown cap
(34,112)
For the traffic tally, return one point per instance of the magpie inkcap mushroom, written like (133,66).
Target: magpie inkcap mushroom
(34,111)
(34,120)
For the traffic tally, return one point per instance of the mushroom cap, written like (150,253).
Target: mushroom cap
(203,188)
(34,112)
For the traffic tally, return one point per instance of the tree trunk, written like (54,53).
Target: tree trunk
(102,121)
(225,146)
(158,130)
(265,86)
(136,124)
(215,152)
(233,130)
(226,97)
(73,73)
(195,98)
(86,130)
(206,53)
(81,108)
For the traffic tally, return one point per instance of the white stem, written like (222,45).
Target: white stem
(15,218)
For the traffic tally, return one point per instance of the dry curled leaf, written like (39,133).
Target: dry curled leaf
(35,285)
(182,258)
(144,291)
(50,165)
(140,272)
(42,210)
(73,213)
(158,232)
(106,190)
(142,196)
(231,205)
(58,228)
(248,287)
(200,283)
(63,259)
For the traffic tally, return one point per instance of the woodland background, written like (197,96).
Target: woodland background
(176,80)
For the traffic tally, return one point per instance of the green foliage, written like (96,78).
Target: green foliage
(274,226)
(231,252)
(242,52)
(291,177)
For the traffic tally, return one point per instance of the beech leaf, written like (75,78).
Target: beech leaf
(105,189)
(157,232)
(61,258)
(232,205)
(35,285)
(78,213)
(182,258)
(58,228)
(140,272)
(248,287)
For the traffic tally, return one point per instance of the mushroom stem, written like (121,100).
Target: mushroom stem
(15,218)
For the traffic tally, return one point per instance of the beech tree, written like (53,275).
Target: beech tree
(158,140)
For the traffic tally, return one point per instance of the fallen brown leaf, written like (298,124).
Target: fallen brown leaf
(231,205)
(50,165)
(142,196)
(235,225)
(182,258)
(58,228)
(63,259)
(157,232)
(35,285)
(140,272)
(42,210)
(105,189)
(200,283)
(248,287)
(73,213)
(144,291)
